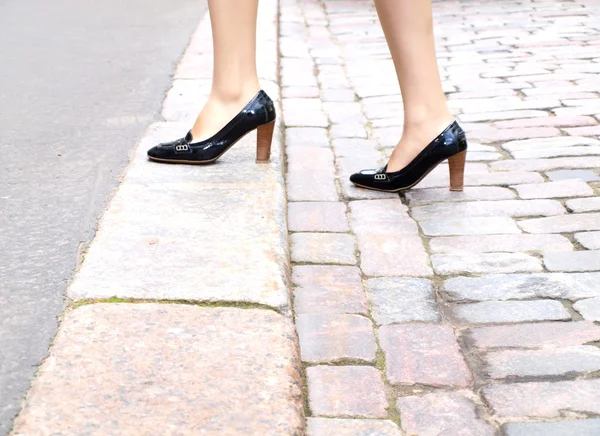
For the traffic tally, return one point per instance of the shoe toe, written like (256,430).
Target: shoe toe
(363,177)
(159,152)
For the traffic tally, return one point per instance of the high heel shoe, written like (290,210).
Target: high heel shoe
(259,114)
(451,144)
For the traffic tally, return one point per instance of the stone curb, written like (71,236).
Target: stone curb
(202,236)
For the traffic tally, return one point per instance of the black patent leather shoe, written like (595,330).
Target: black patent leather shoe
(451,144)
(258,115)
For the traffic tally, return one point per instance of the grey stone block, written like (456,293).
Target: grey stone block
(511,311)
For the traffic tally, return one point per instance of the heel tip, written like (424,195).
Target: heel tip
(456,189)
(263,161)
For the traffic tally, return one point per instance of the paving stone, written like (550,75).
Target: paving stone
(590,240)
(511,208)
(323,248)
(488,312)
(222,370)
(591,204)
(574,261)
(579,359)
(499,243)
(582,427)
(299,91)
(351,427)
(558,163)
(513,401)
(572,286)
(328,289)
(450,413)
(535,335)
(589,309)
(484,263)
(311,174)
(469,226)
(546,121)
(347,131)
(502,115)
(562,224)
(564,188)
(424,196)
(346,391)
(381,216)
(341,95)
(303,112)
(317,217)
(306,136)
(424,354)
(439,179)
(557,152)
(351,147)
(332,337)
(395,300)
(385,255)
(585,175)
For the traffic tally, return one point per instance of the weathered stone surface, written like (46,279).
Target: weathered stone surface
(425,354)
(513,401)
(585,175)
(523,286)
(351,427)
(500,243)
(469,226)
(564,188)
(546,143)
(536,335)
(589,308)
(584,204)
(222,370)
(546,164)
(381,216)
(512,208)
(511,311)
(311,174)
(328,289)
(548,362)
(306,137)
(328,338)
(424,196)
(346,391)
(385,255)
(402,300)
(323,248)
(482,263)
(158,211)
(582,427)
(562,224)
(574,261)
(590,240)
(303,112)
(316,216)
(442,413)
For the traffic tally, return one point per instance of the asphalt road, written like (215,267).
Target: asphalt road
(80,80)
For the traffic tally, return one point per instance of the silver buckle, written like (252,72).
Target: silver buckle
(182,147)
(380,177)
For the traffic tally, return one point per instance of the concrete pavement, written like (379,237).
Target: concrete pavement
(79,84)
(432,312)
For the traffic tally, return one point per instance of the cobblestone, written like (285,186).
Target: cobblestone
(484,263)
(578,359)
(583,427)
(584,204)
(511,208)
(562,224)
(385,255)
(317,217)
(441,413)
(396,300)
(469,226)
(351,427)
(522,286)
(424,196)
(590,240)
(511,311)
(589,309)
(423,354)
(500,243)
(346,391)
(323,248)
(565,188)
(535,335)
(328,289)
(513,401)
(575,261)
(585,175)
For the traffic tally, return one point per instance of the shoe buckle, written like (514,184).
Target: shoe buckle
(380,177)
(182,147)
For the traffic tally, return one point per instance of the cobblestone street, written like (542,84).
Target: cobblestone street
(447,313)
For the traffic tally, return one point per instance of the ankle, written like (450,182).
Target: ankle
(233,96)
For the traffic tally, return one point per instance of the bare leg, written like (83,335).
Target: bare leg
(408,28)
(235,80)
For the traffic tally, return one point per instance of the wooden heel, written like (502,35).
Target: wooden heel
(456,164)
(264,138)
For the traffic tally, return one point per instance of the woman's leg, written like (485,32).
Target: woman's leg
(408,28)
(235,80)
